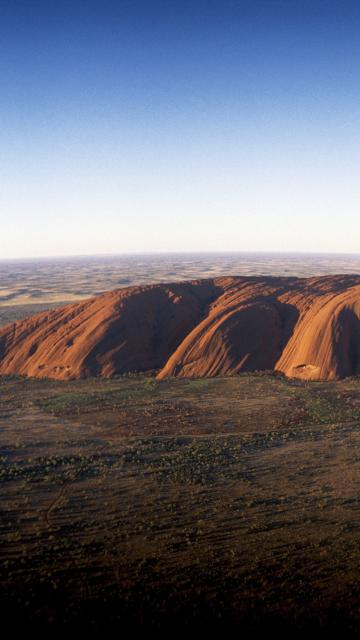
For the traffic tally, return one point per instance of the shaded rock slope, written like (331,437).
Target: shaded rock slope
(307,328)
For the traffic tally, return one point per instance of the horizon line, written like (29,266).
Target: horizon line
(178,253)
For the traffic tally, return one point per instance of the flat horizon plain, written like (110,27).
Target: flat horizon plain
(28,286)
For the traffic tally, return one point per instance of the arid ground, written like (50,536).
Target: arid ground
(221,502)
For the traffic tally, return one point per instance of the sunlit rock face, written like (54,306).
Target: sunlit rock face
(307,328)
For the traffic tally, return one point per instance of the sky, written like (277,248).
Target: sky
(188,125)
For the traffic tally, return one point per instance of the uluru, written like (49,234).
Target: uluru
(306,328)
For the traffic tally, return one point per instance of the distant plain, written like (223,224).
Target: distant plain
(29,286)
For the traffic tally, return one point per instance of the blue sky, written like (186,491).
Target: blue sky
(179,126)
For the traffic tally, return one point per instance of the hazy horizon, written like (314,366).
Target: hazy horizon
(31,284)
(130,254)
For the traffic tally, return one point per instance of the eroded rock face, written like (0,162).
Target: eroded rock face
(326,342)
(131,329)
(306,328)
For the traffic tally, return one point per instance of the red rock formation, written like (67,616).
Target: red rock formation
(132,329)
(306,328)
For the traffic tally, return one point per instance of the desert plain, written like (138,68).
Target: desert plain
(228,502)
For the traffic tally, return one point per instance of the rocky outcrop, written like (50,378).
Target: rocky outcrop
(305,328)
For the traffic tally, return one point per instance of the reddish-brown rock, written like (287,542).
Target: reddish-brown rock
(306,328)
